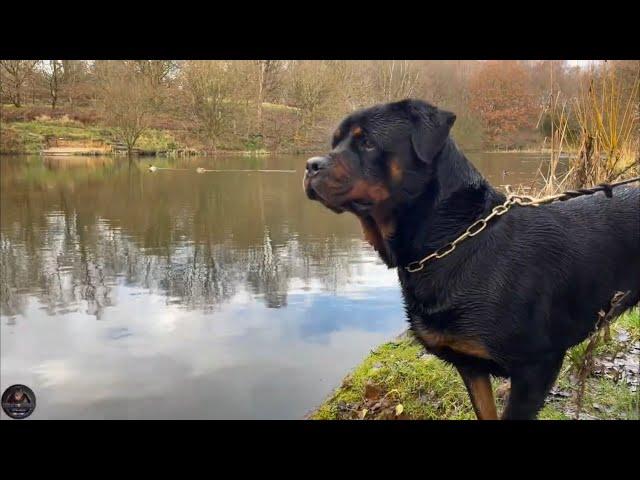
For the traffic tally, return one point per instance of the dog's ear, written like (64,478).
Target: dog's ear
(431,127)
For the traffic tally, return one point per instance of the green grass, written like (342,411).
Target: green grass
(603,399)
(30,137)
(156,141)
(428,388)
(630,321)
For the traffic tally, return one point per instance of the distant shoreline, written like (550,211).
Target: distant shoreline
(182,153)
(69,137)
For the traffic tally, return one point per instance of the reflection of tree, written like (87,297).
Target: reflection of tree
(195,239)
(11,302)
(268,273)
(59,269)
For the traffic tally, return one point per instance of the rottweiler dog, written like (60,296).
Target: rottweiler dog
(507,302)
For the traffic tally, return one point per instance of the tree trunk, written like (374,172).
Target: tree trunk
(17,100)
(260,95)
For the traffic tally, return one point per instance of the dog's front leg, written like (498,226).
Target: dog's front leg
(480,392)
(530,384)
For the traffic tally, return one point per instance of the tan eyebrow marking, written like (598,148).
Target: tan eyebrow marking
(356,131)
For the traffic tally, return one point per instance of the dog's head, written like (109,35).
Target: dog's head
(381,156)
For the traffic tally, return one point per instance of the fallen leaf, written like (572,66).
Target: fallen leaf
(399,409)
(363,413)
(395,390)
(372,392)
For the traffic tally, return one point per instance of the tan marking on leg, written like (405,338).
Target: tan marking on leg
(481,394)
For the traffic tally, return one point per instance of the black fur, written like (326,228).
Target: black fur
(528,287)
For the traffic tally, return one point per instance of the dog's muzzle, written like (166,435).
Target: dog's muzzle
(315,164)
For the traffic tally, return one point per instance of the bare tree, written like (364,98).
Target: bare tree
(396,79)
(127,102)
(53,72)
(268,72)
(352,85)
(209,86)
(157,72)
(211,102)
(310,89)
(18,72)
(74,83)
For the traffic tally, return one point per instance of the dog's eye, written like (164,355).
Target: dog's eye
(367,144)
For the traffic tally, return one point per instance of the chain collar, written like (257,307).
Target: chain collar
(479,225)
(475,228)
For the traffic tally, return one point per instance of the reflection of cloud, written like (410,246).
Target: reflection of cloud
(241,354)
(373,311)
(198,319)
(122,295)
(53,373)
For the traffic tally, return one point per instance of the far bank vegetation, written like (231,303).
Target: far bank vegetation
(292,105)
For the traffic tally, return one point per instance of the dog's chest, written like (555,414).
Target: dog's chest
(441,342)
(434,322)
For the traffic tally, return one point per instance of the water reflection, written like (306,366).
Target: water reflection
(190,237)
(230,285)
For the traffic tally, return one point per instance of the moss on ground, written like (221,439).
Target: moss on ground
(400,373)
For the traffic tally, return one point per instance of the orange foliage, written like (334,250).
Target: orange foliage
(501,95)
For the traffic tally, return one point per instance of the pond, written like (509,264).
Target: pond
(139,295)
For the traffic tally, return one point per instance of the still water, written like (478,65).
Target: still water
(130,294)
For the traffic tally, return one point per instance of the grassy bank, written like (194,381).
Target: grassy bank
(30,137)
(24,131)
(398,380)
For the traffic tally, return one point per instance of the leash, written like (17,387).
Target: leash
(499,210)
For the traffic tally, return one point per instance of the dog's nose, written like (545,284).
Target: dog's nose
(315,164)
